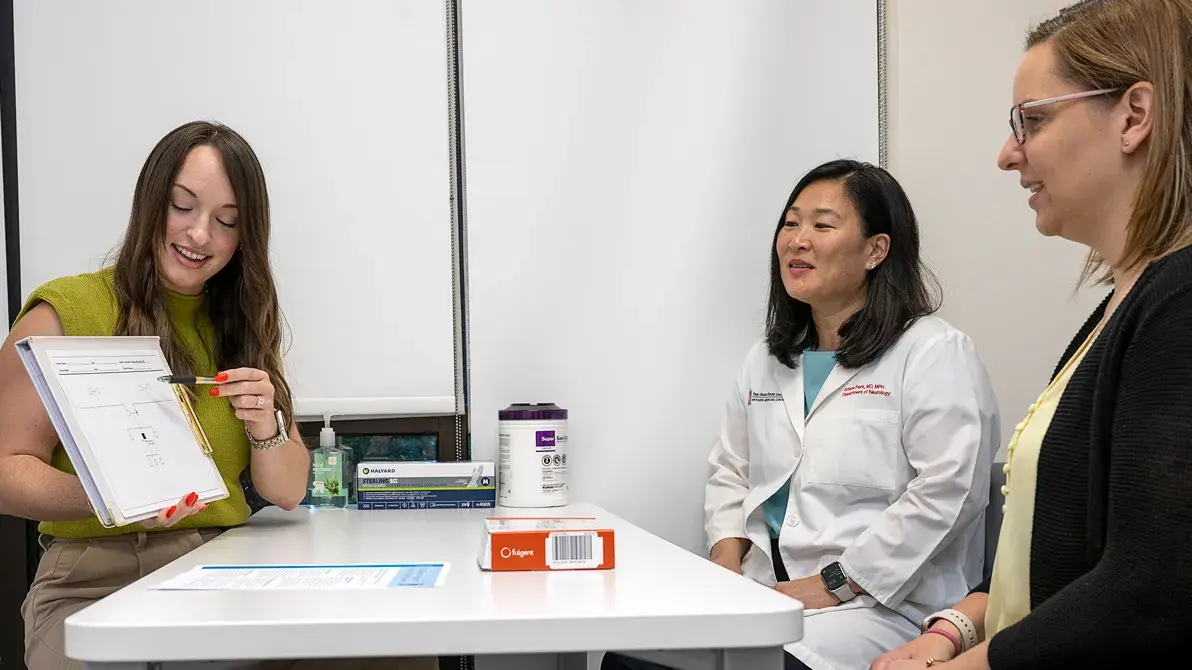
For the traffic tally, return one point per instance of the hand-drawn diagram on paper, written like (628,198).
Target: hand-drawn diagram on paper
(133,423)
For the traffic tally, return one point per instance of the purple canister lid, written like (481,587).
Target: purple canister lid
(547,411)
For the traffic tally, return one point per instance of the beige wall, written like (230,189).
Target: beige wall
(951,70)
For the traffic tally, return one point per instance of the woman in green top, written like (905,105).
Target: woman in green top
(193,269)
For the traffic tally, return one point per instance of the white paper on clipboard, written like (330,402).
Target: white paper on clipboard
(126,433)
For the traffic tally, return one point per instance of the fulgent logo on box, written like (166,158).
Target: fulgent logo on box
(508,552)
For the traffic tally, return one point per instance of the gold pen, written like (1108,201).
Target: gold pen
(188,380)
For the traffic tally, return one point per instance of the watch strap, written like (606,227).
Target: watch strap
(272,443)
(968,631)
(844,593)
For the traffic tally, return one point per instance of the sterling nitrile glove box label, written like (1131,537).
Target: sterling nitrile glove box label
(401,485)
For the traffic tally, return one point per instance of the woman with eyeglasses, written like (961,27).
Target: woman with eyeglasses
(1096,547)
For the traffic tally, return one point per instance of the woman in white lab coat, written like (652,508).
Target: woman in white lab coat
(852,466)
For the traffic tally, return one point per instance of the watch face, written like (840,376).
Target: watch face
(833,576)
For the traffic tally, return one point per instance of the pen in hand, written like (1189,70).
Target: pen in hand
(191,380)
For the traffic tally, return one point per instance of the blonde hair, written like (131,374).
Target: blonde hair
(1116,44)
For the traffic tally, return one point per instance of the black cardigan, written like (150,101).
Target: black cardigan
(1111,544)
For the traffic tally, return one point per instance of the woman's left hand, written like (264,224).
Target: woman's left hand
(976,658)
(810,591)
(251,394)
(913,664)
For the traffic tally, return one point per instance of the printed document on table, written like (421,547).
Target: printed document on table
(309,577)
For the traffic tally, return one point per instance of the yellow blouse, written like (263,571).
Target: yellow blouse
(1010,591)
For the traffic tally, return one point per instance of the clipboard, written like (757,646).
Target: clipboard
(134,441)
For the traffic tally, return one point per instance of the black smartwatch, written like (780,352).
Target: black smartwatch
(837,582)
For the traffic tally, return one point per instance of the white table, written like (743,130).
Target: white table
(659,597)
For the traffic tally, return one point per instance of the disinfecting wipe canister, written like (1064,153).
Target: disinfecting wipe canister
(532,467)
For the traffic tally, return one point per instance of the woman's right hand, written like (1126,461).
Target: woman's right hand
(169,516)
(927,645)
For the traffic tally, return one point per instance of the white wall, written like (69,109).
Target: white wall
(951,69)
(346,106)
(625,173)
(950,78)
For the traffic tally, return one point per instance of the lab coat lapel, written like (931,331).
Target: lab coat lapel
(836,379)
(790,383)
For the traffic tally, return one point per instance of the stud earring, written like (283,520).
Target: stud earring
(871,265)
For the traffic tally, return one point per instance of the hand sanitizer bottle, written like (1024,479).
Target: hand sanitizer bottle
(349,468)
(328,486)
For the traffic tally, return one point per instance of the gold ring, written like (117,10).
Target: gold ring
(930,662)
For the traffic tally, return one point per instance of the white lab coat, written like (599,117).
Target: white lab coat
(889,475)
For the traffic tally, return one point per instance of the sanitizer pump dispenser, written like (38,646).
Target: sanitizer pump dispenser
(329,480)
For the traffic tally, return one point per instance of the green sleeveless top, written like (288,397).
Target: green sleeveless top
(86,305)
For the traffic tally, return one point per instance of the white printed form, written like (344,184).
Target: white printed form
(137,432)
(311,577)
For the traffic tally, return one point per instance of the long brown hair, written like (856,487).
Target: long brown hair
(241,299)
(1101,44)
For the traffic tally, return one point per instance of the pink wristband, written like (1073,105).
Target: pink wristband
(951,638)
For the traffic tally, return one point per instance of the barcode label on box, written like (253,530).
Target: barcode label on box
(569,548)
(583,549)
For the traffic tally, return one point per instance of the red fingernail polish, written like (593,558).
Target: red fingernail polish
(203,507)
(170,512)
(192,499)
(215,391)
(221,377)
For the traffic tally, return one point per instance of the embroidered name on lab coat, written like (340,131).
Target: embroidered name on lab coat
(757,396)
(865,389)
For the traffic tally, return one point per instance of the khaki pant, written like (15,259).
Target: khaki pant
(73,574)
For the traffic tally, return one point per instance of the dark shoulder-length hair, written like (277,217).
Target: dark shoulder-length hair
(901,288)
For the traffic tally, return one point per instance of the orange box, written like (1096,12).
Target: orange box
(546,543)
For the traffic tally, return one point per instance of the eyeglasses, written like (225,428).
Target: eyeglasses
(1018,119)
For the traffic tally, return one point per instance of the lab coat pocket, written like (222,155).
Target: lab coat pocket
(856,449)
